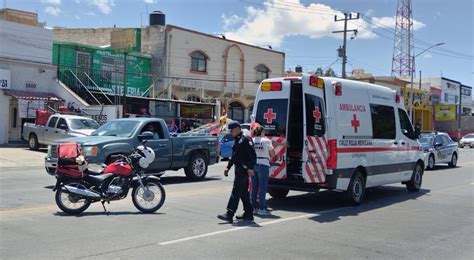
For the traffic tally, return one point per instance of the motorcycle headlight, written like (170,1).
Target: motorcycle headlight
(90,151)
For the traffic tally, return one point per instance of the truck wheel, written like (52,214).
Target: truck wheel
(197,168)
(33,142)
(278,193)
(454,161)
(431,162)
(416,179)
(356,190)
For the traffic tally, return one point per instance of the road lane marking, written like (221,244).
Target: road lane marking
(169,195)
(267,223)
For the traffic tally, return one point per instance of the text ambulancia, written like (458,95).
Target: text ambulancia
(337,134)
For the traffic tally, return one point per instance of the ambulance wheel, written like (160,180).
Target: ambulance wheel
(356,191)
(278,193)
(431,162)
(454,161)
(416,179)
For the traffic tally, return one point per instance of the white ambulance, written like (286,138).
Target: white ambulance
(337,134)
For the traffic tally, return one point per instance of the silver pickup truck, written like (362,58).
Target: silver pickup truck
(58,127)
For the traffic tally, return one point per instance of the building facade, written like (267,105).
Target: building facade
(203,69)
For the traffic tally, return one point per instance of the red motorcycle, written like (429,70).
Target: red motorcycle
(77,187)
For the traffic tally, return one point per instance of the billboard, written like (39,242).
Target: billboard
(445,112)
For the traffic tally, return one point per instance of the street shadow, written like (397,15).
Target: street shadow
(102,213)
(50,187)
(440,168)
(375,198)
(40,150)
(182,180)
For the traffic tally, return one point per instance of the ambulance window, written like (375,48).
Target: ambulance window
(405,125)
(272,115)
(383,122)
(315,125)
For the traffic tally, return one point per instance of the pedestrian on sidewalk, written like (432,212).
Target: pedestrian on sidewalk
(264,151)
(244,159)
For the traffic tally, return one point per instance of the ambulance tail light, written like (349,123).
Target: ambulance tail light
(332,158)
(338,89)
(316,82)
(271,86)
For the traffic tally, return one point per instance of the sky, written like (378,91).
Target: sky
(300,28)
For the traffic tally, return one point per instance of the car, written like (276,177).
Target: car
(438,147)
(57,127)
(193,152)
(226,144)
(467,140)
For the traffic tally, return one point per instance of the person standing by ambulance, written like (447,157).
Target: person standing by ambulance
(265,152)
(244,159)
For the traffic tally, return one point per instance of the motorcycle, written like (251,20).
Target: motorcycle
(77,187)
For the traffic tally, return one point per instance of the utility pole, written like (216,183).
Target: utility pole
(460,112)
(124,101)
(342,52)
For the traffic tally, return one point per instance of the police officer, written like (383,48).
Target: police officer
(244,159)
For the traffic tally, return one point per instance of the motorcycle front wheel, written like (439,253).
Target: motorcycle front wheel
(149,198)
(71,203)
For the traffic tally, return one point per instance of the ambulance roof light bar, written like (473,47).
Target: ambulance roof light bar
(316,82)
(271,86)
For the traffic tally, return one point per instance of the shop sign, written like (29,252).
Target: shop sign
(5,79)
(445,112)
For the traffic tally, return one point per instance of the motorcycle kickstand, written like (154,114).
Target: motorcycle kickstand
(103,206)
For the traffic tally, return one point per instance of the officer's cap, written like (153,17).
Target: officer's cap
(233,125)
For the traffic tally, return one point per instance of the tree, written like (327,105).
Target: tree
(330,73)
(319,72)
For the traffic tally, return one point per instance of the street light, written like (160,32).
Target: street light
(413,71)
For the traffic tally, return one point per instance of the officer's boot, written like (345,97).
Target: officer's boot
(228,216)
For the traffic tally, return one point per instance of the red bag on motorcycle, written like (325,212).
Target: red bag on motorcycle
(119,168)
(67,154)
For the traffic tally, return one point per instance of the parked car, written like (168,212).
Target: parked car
(226,144)
(57,127)
(191,151)
(438,148)
(467,140)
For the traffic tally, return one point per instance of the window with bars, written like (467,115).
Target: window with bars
(198,62)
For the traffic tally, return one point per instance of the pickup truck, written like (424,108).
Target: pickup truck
(191,151)
(57,127)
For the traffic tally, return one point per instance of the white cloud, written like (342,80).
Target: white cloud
(51,2)
(77,17)
(427,56)
(277,19)
(389,22)
(90,13)
(149,1)
(104,6)
(51,10)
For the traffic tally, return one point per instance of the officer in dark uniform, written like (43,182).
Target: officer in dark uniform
(244,159)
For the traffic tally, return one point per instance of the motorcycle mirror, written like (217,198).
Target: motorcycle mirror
(145,136)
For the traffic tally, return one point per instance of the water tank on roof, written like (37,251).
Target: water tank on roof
(299,69)
(157,18)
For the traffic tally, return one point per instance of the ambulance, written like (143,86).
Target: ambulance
(337,134)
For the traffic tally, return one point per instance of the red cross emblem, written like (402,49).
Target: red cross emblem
(355,123)
(316,114)
(269,116)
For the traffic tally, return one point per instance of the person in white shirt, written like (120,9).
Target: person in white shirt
(265,152)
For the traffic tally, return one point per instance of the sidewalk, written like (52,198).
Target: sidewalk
(15,157)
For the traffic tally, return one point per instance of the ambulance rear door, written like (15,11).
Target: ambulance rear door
(315,148)
(271,111)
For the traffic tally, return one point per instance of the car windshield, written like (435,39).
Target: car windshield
(82,123)
(468,136)
(426,139)
(121,128)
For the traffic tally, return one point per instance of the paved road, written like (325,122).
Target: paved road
(436,223)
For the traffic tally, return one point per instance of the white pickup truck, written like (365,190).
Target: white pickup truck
(57,127)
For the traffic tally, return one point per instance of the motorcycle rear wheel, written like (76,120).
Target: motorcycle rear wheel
(71,203)
(151,199)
